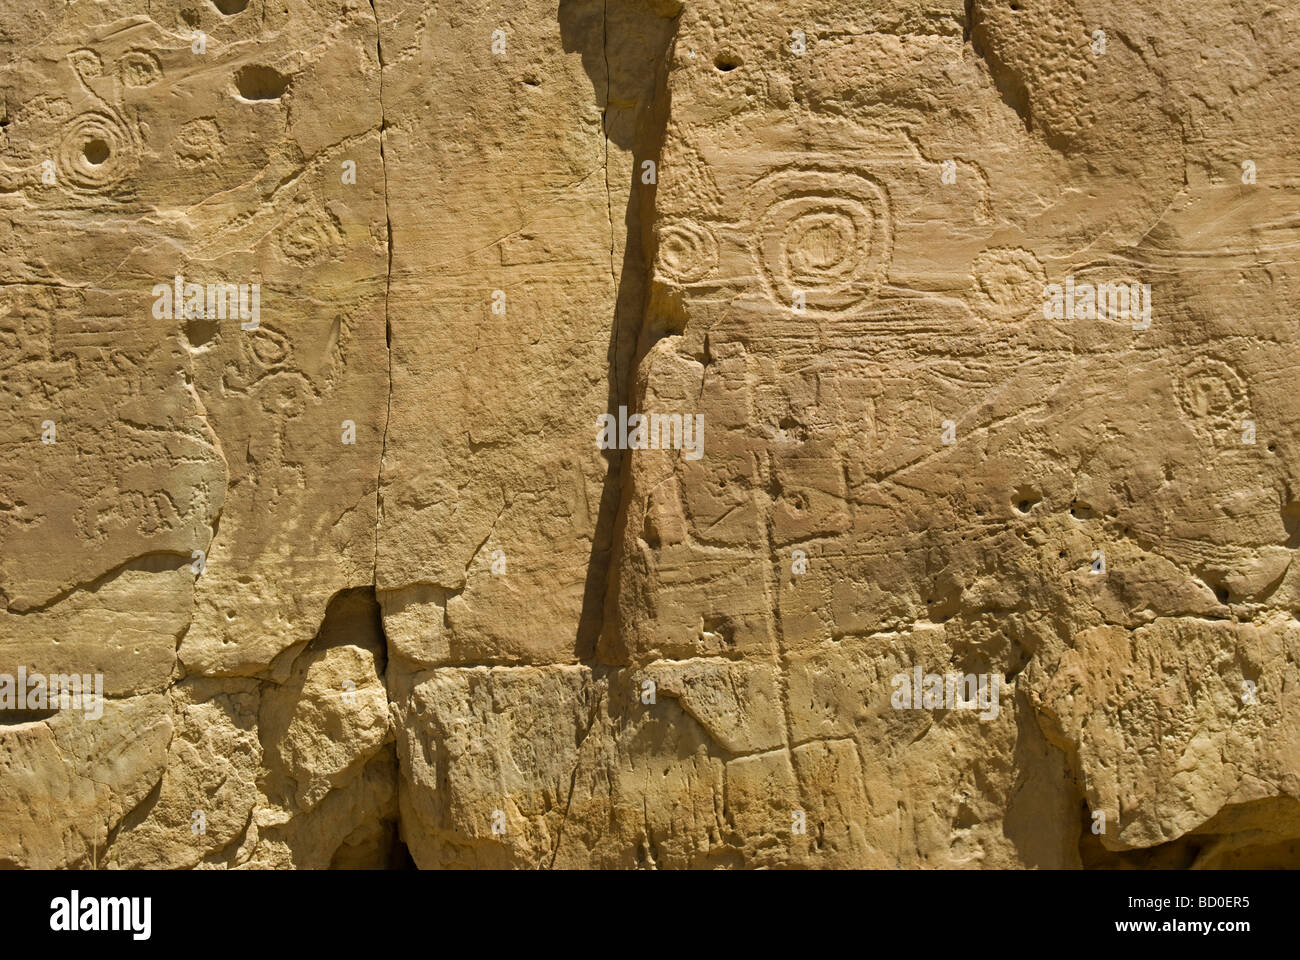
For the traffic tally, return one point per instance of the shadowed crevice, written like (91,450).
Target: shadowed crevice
(1256,835)
(1011,88)
(625,46)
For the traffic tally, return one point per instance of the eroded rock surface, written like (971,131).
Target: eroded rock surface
(316,323)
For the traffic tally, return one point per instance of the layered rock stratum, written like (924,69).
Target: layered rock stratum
(331,334)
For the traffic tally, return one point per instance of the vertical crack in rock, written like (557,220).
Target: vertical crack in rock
(609,194)
(398,858)
(388,285)
(573,777)
(598,573)
(640,129)
(329,755)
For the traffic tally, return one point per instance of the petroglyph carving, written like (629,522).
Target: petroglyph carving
(139,68)
(687,252)
(823,234)
(199,140)
(97,152)
(1215,400)
(1008,283)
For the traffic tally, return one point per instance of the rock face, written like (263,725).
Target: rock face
(649,433)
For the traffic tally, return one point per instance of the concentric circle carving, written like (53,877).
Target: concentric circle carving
(688,252)
(96,153)
(824,238)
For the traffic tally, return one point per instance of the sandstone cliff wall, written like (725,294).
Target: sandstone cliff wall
(935,562)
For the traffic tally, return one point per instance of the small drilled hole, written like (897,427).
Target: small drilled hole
(726,62)
(201,332)
(96,151)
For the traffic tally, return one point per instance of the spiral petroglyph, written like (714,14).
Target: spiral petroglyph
(688,252)
(823,234)
(96,153)
(1008,282)
(308,238)
(1215,401)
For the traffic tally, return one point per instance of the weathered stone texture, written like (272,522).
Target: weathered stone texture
(364,589)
